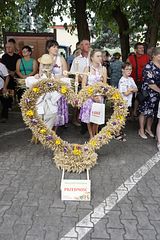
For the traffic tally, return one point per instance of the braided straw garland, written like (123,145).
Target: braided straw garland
(73,157)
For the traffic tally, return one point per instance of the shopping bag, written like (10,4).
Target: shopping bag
(97,113)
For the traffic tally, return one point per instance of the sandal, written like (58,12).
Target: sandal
(120,138)
(158,146)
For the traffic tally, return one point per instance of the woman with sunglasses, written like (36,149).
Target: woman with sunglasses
(26,66)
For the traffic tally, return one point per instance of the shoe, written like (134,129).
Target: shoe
(142,135)
(77,124)
(3,120)
(120,138)
(149,133)
(158,146)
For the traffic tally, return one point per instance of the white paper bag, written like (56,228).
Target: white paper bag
(29,81)
(97,113)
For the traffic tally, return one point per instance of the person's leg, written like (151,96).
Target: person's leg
(95,129)
(4,113)
(149,126)
(158,134)
(135,108)
(142,121)
(90,130)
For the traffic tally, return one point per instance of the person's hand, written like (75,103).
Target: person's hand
(97,99)
(12,73)
(4,90)
(37,76)
(130,90)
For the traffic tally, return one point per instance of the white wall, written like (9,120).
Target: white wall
(65,38)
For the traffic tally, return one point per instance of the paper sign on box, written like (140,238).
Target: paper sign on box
(75,190)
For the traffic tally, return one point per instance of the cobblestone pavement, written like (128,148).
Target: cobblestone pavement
(30,204)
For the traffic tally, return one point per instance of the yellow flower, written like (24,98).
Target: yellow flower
(63,89)
(36,90)
(120,117)
(58,142)
(42,131)
(77,151)
(116,96)
(108,133)
(93,143)
(90,90)
(29,113)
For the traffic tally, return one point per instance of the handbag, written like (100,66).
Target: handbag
(142,96)
(97,115)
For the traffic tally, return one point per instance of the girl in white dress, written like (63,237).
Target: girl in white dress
(97,73)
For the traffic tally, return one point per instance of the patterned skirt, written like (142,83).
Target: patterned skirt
(62,114)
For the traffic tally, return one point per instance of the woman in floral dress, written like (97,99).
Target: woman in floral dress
(151,86)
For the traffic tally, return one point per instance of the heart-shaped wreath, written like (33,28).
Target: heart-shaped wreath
(67,156)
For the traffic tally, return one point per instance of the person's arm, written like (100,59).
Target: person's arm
(104,74)
(20,75)
(35,68)
(154,87)
(5,84)
(85,77)
(64,64)
(133,88)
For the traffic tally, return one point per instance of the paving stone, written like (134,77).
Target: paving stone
(100,229)
(143,189)
(36,230)
(148,234)
(116,234)
(43,207)
(137,203)
(71,209)
(130,227)
(3,209)
(32,200)
(16,207)
(143,221)
(34,237)
(114,219)
(156,225)
(52,233)
(66,225)
(7,224)
(154,212)
(6,236)
(27,215)
(20,230)
(126,211)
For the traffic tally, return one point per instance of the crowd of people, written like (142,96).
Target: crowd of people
(138,80)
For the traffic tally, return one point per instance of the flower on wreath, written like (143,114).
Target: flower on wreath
(36,90)
(63,89)
(120,117)
(43,131)
(57,142)
(116,96)
(90,90)
(29,113)
(77,151)
(93,143)
(108,133)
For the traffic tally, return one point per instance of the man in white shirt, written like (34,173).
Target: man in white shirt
(4,80)
(78,65)
(81,61)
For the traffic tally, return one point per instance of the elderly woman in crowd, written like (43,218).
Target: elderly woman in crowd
(150,93)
